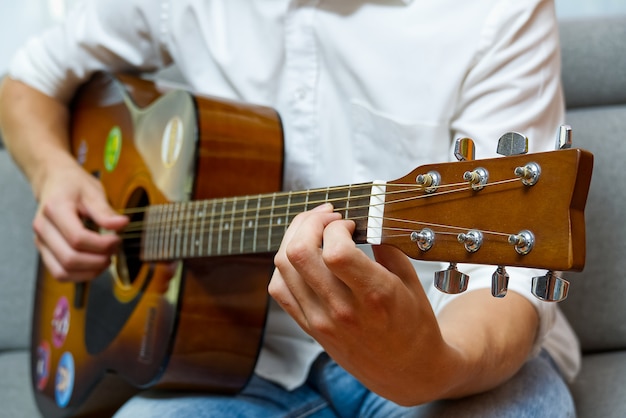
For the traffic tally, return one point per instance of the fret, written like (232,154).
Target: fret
(210,240)
(297,204)
(171,238)
(147,235)
(316,197)
(193,209)
(246,226)
(188,222)
(360,206)
(287,209)
(263,223)
(161,228)
(256,224)
(218,250)
(173,231)
(167,244)
(156,224)
(177,230)
(202,216)
(338,198)
(230,226)
(279,219)
(270,223)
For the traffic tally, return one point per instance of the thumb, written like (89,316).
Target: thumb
(96,207)
(396,262)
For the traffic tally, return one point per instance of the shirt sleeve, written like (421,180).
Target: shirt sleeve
(111,35)
(514,82)
(513,85)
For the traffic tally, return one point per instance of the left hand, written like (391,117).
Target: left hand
(372,317)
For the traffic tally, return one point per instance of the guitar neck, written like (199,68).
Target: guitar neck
(242,225)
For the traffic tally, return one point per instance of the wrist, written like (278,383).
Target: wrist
(50,163)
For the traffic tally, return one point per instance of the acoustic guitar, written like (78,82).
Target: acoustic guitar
(184,301)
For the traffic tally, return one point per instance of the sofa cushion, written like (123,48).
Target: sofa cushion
(599,389)
(585,44)
(18,259)
(16,395)
(595,305)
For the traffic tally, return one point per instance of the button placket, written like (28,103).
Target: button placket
(302,72)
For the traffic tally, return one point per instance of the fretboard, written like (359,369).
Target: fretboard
(242,225)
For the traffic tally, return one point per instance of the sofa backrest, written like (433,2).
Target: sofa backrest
(594,80)
(18,257)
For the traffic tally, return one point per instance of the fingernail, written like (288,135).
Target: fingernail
(324,207)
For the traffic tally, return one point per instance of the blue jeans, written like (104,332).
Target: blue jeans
(537,390)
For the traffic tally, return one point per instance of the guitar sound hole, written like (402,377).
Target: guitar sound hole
(129,262)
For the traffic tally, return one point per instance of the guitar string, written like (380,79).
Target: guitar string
(230,215)
(139,226)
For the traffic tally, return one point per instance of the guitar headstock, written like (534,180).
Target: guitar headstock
(520,210)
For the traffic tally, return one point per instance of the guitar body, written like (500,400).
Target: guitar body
(194,324)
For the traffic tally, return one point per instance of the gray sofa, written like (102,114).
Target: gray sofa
(594,71)
(594,78)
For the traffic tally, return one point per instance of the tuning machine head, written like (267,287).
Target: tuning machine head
(550,288)
(512,143)
(564,137)
(464,149)
(499,282)
(451,280)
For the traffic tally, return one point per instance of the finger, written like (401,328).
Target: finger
(59,272)
(349,263)
(95,207)
(281,293)
(304,253)
(287,286)
(300,218)
(62,218)
(396,262)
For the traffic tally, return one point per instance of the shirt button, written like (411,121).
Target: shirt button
(300,94)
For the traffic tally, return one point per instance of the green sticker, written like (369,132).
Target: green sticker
(113,148)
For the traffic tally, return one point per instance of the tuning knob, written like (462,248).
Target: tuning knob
(564,137)
(550,288)
(464,149)
(451,280)
(499,282)
(512,143)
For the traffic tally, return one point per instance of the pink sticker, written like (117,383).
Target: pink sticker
(60,322)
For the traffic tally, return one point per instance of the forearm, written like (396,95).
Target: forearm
(493,337)
(34,129)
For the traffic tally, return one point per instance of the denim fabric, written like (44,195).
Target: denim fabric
(536,391)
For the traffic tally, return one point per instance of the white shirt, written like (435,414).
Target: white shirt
(366,90)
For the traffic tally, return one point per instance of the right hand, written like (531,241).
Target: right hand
(70,250)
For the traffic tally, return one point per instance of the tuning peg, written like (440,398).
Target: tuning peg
(512,143)
(451,280)
(550,288)
(430,181)
(464,149)
(564,137)
(424,238)
(499,282)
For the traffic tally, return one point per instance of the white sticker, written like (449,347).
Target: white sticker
(172,141)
